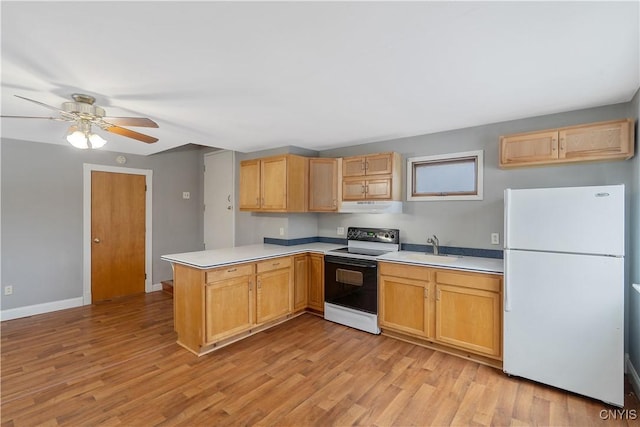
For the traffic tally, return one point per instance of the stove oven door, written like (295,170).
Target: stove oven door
(351,283)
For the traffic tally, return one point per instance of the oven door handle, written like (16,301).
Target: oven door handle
(341,262)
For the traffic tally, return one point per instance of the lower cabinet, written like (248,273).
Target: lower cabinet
(458,310)
(300,281)
(225,303)
(316,283)
(274,294)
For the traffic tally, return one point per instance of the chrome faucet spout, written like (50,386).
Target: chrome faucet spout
(433,240)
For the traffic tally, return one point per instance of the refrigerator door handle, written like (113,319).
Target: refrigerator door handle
(507,199)
(506,281)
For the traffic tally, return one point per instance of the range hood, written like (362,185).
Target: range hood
(371,206)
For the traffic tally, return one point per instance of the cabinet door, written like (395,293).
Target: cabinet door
(469,319)
(353,166)
(526,148)
(379,164)
(596,141)
(316,282)
(300,281)
(378,189)
(353,189)
(274,295)
(249,185)
(228,308)
(404,305)
(274,183)
(323,185)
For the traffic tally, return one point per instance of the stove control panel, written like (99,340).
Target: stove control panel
(382,235)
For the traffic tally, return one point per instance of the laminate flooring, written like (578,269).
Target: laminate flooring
(117,363)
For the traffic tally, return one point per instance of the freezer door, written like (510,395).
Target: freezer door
(563,322)
(576,220)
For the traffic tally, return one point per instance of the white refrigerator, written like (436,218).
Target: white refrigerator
(564,288)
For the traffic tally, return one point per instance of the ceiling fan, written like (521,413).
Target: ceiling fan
(82,113)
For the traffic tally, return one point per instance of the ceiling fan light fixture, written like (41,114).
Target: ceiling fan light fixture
(78,139)
(96,140)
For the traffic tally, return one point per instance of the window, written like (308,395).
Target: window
(456,176)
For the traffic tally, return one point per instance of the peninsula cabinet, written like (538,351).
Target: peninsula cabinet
(274,184)
(372,177)
(217,306)
(323,184)
(610,140)
(459,312)
(274,295)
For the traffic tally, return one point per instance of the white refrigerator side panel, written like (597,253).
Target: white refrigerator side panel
(576,220)
(565,323)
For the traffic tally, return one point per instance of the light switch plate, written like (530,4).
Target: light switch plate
(495,238)
(186,195)
(340,231)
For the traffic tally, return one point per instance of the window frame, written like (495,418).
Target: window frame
(450,158)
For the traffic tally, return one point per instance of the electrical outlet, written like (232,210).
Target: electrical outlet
(8,290)
(186,195)
(282,231)
(495,238)
(340,231)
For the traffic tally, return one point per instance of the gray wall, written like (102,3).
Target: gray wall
(634,253)
(470,223)
(42,215)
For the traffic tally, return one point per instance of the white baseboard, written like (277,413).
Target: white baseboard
(634,378)
(156,287)
(30,310)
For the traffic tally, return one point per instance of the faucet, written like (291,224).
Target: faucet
(436,244)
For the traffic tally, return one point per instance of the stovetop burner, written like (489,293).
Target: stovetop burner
(369,243)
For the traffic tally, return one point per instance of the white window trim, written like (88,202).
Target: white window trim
(451,156)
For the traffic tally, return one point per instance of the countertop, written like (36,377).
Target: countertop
(453,262)
(221,257)
(239,254)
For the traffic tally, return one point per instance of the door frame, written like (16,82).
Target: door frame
(86,221)
(233,192)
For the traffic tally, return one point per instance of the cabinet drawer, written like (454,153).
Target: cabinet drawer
(273,264)
(229,272)
(470,280)
(404,270)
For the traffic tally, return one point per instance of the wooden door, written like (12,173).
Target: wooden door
(469,318)
(323,185)
(249,185)
(378,189)
(379,164)
(229,308)
(316,282)
(300,281)
(596,141)
(404,305)
(218,200)
(353,189)
(118,234)
(273,297)
(274,183)
(534,147)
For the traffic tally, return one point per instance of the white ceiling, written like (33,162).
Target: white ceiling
(254,75)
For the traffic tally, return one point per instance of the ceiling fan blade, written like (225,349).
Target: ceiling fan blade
(131,121)
(40,103)
(130,134)
(62,119)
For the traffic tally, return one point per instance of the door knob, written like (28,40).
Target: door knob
(229,207)
(96,240)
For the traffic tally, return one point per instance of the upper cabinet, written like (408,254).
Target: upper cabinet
(372,177)
(323,184)
(610,140)
(274,184)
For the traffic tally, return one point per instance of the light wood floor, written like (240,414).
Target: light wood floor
(117,363)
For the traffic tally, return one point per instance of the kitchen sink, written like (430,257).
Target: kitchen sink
(429,258)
